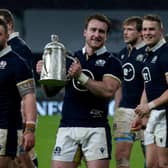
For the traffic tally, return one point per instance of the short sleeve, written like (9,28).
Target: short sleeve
(22,72)
(163,61)
(114,68)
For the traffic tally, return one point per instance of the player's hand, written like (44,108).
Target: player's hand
(28,140)
(142,110)
(136,124)
(75,69)
(144,121)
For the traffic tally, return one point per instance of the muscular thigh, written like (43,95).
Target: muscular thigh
(63,164)
(98,164)
(162,156)
(151,156)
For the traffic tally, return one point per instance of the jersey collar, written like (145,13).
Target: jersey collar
(158,45)
(137,46)
(140,45)
(5,51)
(97,52)
(13,35)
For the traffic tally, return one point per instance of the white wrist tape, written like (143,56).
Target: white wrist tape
(83,78)
(151,105)
(31,122)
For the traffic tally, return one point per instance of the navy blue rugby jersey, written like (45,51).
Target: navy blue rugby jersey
(12,71)
(19,46)
(154,71)
(81,107)
(133,83)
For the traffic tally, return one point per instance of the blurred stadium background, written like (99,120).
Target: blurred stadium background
(36,20)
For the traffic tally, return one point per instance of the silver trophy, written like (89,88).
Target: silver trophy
(54,63)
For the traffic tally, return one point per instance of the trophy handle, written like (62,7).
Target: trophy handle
(44,66)
(69,56)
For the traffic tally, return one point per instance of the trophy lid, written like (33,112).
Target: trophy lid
(55,43)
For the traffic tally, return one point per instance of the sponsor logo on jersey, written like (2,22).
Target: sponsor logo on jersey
(129,72)
(146,74)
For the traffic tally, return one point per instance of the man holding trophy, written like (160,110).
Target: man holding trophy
(93,78)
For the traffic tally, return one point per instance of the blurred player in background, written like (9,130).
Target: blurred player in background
(129,94)
(155,74)
(19,46)
(16,85)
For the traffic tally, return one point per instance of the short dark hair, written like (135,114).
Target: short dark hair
(99,17)
(134,19)
(155,18)
(4,25)
(8,16)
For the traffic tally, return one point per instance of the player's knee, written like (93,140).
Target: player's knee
(122,162)
(122,154)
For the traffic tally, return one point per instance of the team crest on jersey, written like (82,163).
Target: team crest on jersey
(76,83)
(122,56)
(129,72)
(3,64)
(100,62)
(154,59)
(140,57)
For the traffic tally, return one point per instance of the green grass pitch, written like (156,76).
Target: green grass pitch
(45,140)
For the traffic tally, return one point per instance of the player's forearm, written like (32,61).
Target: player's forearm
(102,89)
(118,96)
(143,98)
(30,110)
(163,99)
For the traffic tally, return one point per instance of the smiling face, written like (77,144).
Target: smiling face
(95,34)
(152,32)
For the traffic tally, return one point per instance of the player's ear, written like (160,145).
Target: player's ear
(7,35)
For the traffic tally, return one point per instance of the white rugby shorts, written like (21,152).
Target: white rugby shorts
(72,143)
(156,130)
